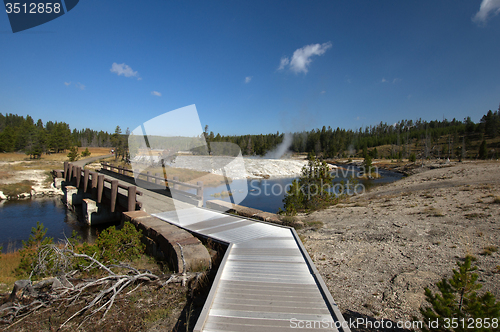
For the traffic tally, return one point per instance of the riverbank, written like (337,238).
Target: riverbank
(22,177)
(378,251)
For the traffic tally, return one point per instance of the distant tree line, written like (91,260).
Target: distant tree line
(403,137)
(19,133)
(410,139)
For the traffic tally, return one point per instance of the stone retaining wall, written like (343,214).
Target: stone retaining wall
(244,211)
(171,242)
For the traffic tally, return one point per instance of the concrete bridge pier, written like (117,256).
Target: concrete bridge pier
(72,196)
(95,213)
(58,183)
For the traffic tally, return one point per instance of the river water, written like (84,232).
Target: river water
(267,194)
(17,217)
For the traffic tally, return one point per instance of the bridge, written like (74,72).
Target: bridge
(266,280)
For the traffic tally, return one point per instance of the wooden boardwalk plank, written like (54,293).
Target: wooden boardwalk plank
(215,323)
(266,283)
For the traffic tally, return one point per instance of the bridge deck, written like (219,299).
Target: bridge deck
(266,282)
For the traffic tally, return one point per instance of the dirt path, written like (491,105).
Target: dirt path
(380,250)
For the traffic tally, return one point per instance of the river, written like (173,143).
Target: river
(267,194)
(17,217)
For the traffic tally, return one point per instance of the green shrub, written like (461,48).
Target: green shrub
(412,158)
(310,191)
(30,249)
(111,246)
(114,245)
(293,200)
(459,303)
(86,153)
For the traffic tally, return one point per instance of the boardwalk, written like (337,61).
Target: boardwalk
(266,281)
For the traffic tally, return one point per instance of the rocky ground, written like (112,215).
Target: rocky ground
(378,251)
(38,179)
(241,168)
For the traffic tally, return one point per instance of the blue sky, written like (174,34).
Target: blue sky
(255,67)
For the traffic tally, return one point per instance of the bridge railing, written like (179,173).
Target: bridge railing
(158,178)
(93,184)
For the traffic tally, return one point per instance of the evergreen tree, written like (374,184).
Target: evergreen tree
(117,142)
(458,302)
(86,153)
(312,190)
(483,150)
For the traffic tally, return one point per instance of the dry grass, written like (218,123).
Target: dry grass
(19,156)
(496,200)
(14,189)
(434,212)
(314,224)
(8,262)
(487,251)
(472,216)
(46,165)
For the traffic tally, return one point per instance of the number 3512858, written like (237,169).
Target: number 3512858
(33,8)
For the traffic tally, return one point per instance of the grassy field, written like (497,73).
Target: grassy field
(8,262)
(56,157)
(18,173)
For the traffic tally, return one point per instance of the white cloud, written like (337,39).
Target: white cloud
(383,80)
(283,62)
(488,9)
(156,93)
(323,92)
(77,85)
(301,58)
(248,79)
(123,69)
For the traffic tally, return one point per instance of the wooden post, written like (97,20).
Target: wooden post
(131,198)
(86,173)
(68,173)
(114,194)
(66,170)
(74,174)
(94,184)
(199,190)
(148,176)
(176,178)
(78,174)
(100,187)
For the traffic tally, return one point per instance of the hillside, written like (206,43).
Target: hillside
(379,251)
